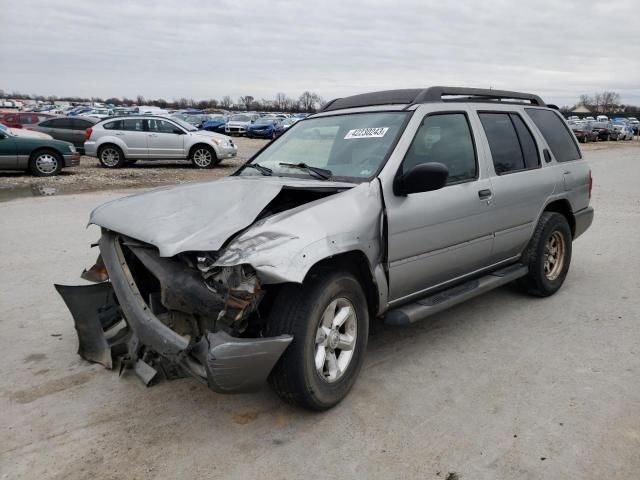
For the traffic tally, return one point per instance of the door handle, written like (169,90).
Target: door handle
(119,133)
(153,135)
(484,194)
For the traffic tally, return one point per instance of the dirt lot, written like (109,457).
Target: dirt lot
(91,176)
(503,387)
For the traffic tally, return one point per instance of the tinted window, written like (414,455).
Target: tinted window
(117,125)
(48,124)
(560,140)
(60,123)
(444,138)
(527,143)
(24,119)
(81,124)
(503,142)
(133,124)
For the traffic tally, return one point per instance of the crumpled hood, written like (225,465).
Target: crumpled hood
(196,217)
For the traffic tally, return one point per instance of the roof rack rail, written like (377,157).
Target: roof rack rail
(415,96)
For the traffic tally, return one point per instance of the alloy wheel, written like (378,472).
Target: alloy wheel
(335,340)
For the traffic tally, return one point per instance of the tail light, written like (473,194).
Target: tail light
(87,133)
(590,183)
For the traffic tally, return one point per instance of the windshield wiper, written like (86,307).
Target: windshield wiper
(323,173)
(263,170)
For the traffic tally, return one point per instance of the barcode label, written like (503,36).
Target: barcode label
(374,132)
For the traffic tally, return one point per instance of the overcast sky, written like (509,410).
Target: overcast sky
(207,49)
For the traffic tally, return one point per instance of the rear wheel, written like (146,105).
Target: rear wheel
(548,256)
(203,156)
(111,156)
(329,320)
(45,163)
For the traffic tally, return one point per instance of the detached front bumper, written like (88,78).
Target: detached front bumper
(114,322)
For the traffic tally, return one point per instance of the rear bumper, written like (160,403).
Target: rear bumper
(226,364)
(584,219)
(90,148)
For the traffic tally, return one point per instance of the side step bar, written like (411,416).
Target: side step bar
(437,302)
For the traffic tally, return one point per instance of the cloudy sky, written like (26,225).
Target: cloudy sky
(207,49)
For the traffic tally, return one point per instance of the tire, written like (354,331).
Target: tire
(203,156)
(45,163)
(299,310)
(546,277)
(111,156)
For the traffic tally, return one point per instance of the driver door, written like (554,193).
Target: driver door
(438,236)
(165,140)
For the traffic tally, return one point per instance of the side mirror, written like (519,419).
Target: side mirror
(424,177)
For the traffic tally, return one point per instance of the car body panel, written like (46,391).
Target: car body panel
(15,151)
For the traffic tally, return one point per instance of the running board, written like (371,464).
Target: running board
(437,302)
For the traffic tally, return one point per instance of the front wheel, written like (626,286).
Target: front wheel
(45,163)
(548,255)
(329,320)
(203,156)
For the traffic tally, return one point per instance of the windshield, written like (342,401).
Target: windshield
(240,118)
(187,126)
(352,147)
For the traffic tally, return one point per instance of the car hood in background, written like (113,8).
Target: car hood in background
(236,123)
(201,216)
(208,134)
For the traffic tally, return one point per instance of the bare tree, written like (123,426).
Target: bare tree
(281,101)
(247,100)
(226,101)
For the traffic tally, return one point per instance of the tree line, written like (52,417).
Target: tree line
(602,102)
(307,102)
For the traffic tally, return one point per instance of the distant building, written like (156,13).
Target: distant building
(581,109)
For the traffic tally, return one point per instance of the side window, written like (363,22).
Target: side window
(133,125)
(555,132)
(81,124)
(48,124)
(24,119)
(513,148)
(444,138)
(117,125)
(61,123)
(161,126)
(41,118)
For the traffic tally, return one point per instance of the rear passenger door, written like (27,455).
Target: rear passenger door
(130,131)
(520,183)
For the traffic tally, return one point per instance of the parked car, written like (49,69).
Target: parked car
(24,132)
(215,123)
(22,119)
(237,124)
(69,129)
(42,157)
(584,132)
(604,130)
(367,210)
(117,142)
(265,127)
(625,132)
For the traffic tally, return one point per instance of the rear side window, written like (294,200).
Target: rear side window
(133,124)
(117,125)
(60,123)
(556,133)
(513,148)
(25,119)
(81,124)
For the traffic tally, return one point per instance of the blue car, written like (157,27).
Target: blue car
(265,128)
(215,123)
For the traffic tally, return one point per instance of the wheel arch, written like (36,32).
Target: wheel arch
(110,143)
(356,263)
(202,144)
(563,207)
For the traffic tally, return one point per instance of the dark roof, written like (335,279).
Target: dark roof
(413,96)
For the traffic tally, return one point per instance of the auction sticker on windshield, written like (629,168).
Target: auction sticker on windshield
(376,132)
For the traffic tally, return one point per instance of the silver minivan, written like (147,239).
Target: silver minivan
(124,140)
(388,206)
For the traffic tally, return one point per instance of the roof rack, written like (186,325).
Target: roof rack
(415,96)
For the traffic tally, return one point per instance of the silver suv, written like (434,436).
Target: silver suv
(391,205)
(124,140)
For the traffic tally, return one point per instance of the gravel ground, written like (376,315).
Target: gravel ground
(91,176)
(502,387)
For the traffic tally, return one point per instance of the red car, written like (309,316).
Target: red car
(21,119)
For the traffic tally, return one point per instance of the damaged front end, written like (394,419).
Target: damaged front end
(173,317)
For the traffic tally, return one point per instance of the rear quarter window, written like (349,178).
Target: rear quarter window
(560,140)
